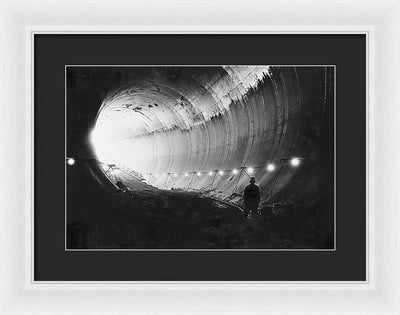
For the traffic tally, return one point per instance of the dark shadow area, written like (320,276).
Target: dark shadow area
(124,219)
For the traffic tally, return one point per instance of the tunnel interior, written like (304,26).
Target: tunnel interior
(210,128)
(161,130)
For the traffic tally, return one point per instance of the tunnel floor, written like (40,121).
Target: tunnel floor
(163,219)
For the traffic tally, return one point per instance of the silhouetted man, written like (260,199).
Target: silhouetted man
(251,198)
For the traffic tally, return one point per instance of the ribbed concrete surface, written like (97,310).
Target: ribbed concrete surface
(199,119)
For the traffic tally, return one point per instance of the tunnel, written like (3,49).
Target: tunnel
(209,128)
(205,129)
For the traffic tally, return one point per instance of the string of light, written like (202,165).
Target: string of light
(113,173)
(294,161)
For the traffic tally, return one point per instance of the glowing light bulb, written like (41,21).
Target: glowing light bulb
(210,173)
(71,161)
(221,173)
(175,175)
(250,170)
(198,174)
(235,172)
(270,167)
(295,161)
(186,174)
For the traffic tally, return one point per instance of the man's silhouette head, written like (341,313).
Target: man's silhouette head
(252,180)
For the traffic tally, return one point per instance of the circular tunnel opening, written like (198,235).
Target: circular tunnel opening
(202,128)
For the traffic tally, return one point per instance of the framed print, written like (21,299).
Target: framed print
(237,158)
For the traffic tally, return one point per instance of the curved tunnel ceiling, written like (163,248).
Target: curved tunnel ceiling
(181,120)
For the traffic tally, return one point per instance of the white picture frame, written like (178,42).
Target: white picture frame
(379,20)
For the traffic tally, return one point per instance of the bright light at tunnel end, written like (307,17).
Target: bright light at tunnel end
(250,170)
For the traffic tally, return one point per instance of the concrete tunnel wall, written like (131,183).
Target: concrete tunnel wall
(200,119)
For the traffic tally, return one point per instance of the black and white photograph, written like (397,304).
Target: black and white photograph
(200,157)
